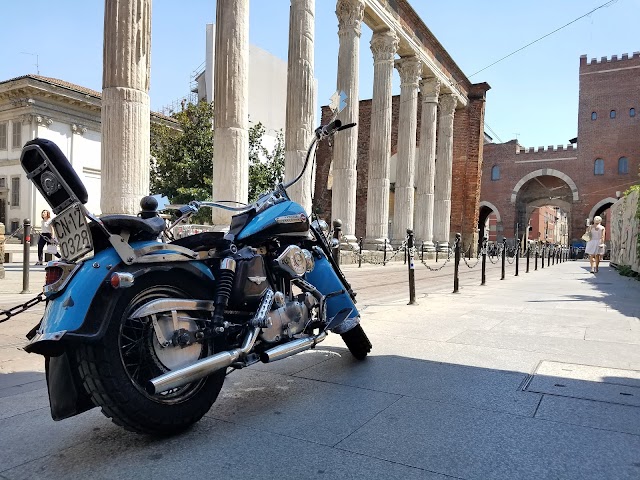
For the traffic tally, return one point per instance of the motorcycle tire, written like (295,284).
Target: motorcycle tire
(357,342)
(114,385)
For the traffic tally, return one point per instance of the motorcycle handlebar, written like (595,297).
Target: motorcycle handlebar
(331,128)
(344,127)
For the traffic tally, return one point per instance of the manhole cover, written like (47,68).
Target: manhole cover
(599,384)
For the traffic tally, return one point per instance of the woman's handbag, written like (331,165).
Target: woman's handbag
(52,248)
(587,236)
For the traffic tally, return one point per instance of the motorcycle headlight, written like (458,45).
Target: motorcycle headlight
(293,261)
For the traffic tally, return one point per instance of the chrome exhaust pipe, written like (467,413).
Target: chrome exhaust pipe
(201,368)
(291,348)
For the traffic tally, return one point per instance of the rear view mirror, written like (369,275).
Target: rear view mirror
(52,174)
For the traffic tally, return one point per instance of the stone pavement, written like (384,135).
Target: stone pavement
(533,377)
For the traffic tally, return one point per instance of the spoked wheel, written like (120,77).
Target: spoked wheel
(116,370)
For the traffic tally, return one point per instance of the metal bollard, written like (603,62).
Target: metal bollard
(548,257)
(553,254)
(25,256)
(337,233)
(412,279)
(436,255)
(484,262)
(536,256)
(456,263)
(517,257)
(360,242)
(422,252)
(504,256)
(528,255)
(384,254)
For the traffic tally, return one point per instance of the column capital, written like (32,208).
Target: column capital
(430,89)
(384,46)
(448,104)
(350,14)
(409,69)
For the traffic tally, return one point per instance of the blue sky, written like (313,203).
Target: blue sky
(534,93)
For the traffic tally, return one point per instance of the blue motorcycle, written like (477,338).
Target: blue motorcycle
(147,329)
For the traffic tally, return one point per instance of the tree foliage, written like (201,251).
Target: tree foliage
(266,168)
(182,159)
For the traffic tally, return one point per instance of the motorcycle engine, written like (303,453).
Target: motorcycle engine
(290,318)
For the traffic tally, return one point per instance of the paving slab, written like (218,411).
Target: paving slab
(475,444)
(454,384)
(296,407)
(589,413)
(212,448)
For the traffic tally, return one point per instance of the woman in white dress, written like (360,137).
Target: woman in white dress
(595,247)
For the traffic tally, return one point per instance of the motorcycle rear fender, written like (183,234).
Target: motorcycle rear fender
(66,316)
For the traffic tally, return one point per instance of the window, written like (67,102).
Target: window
(3,136)
(632,112)
(15,192)
(17,134)
(598,168)
(623,166)
(612,114)
(495,172)
(594,115)
(3,182)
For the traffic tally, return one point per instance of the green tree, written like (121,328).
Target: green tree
(266,168)
(182,158)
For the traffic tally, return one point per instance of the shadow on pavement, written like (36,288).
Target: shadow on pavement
(325,415)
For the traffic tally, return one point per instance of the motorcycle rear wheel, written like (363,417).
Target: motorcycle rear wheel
(115,383)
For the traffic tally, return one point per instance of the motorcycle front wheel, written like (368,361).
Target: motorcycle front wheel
(115,370)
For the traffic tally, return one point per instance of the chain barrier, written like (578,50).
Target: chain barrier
(357,255)
(497,251)
(18,309)
(480,252)
(513,257)
(431,269)
(15,232)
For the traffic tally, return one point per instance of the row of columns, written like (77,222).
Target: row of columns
(420,180)
(126,103)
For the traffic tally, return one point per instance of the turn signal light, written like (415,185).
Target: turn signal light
(121,280)
(52,275)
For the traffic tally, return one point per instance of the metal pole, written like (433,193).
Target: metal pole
(536,256)
(456,264)
(548,257)
(528,255)
(422,252)
(517,257)
(412,279)
(360,256)
(553,255)
(436,255)
(384,254)
(504,253)
(337,233)
(542,256)
(484,262)
(25,256)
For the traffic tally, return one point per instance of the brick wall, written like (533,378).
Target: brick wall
(605,85)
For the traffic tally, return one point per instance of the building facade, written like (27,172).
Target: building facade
(581,180)
(33,106)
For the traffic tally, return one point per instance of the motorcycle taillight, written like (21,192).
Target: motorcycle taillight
(52,275)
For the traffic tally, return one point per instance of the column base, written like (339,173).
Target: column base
(377,244)
(349,242)
(443,246)
(428,246)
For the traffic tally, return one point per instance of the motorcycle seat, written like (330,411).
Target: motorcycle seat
(153,226)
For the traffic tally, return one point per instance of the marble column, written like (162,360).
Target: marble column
(409,69)
(345,148)
(231,100)
(444,164)
(384,46)
(301,99)
(426,162)
(125,105)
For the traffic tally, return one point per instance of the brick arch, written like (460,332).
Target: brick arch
(546,172)
(490,205)
(601,203)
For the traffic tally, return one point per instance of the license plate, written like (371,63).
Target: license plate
(72,232)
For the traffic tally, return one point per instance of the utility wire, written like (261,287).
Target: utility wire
(610,2)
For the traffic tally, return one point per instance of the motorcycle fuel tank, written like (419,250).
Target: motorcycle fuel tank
(283,219)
